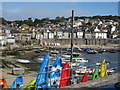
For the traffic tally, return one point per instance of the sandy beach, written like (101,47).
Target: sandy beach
(10,78)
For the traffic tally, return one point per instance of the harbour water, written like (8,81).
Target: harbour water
(113,58)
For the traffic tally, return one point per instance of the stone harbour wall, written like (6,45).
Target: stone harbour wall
(83,41)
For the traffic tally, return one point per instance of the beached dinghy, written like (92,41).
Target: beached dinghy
(22,61)
(18,82)
(42,79)
(54,78)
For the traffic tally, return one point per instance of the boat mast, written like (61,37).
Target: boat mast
(72,21)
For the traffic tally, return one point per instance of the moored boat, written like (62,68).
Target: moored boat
(22,61)
(91,51)
(54,52)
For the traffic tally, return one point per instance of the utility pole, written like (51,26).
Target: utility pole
(72,43)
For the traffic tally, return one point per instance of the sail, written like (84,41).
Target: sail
(54,77)
(18,82)
(65,77)
(42,79)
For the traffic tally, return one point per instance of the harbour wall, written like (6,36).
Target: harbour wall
(83,41)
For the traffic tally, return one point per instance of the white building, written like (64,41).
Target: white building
(45,35)
(3,40)
(11,40)
(100,35)
(80,34)
(113,29)
(65,35)
(50,35)
(59,34)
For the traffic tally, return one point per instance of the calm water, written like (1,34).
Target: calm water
(111,57)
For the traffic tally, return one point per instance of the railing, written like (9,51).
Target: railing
(72,77)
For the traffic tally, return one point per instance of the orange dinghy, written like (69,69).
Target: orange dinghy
(3,82)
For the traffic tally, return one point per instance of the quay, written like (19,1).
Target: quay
(114,78)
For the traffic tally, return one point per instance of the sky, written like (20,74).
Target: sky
(23,10)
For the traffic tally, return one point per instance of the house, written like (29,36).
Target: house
(88,35)
(59,34)
(80,34)
(66,34)
(50,35)
(115,35)
(45,35)
(113,29)
(10,40)
(3,39)
(100,35)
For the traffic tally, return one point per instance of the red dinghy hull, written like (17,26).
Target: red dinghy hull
(65,74)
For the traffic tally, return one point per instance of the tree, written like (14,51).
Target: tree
(3,21)
(29,21)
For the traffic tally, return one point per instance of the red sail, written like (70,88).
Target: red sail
(84,78)
(65,77)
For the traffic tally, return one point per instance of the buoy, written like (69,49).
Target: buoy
(84,78)
(103,69)
(3,82)
(31,85)
(95,74)
(65,77)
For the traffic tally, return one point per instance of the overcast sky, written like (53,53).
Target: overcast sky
(23,10)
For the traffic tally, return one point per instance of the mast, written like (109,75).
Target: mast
(72,42)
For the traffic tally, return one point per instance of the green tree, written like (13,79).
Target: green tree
(3,21)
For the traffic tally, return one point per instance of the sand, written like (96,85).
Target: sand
(10,78)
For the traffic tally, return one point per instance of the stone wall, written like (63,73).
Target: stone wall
(83,41)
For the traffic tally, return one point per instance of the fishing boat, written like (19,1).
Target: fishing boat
(91,51)
(66,56)
(80,60)
(84,69)
(22,61)
(75,60)
(101,50)
(75,48)
(54,52)
(112,51)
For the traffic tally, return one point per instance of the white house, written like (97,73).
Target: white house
(88,35)
(59,34)
(80,34)
(96,29)
(3,39)
(100,35)
(45,35)
(65,35)
(113,29)
(11,40)
(50,35)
